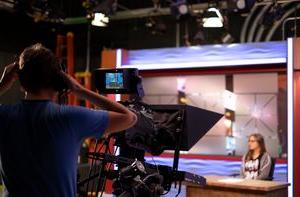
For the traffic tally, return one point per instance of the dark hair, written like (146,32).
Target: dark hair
(39,69)
(261,142)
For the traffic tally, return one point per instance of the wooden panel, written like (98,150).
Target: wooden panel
(257,185)
(297,53)
(218,186)
(108,58)
(297,135)
(297,117)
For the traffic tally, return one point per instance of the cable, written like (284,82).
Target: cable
(100,171)
(155,165)
(166,192)
(105,178)
(101,147)
(179,189)
(91,167)
(95,166)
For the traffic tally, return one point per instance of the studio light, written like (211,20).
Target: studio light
(100,20)
(213,18)
(241,4)
(98,12)
(237,5)
(183,9)
(179,9)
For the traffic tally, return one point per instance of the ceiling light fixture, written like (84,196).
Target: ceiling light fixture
(100,20)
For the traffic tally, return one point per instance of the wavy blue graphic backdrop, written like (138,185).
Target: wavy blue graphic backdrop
(214,167)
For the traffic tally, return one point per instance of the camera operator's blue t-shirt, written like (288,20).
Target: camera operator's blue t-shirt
(39,146)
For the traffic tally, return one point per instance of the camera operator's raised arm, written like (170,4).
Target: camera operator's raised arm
(120,118)
(8,78)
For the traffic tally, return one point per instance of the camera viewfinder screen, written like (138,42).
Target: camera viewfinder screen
(114,80)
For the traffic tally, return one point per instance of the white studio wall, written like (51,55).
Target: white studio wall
(256,110)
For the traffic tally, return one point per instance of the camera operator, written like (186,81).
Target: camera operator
(40,139)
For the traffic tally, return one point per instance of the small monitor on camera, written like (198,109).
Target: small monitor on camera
(114,81)
(117,81)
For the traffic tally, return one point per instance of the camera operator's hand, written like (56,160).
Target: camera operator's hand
(73,85)
(9,76)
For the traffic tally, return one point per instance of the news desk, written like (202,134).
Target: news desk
(218,186)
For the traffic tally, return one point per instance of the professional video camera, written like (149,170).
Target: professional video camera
(159,128)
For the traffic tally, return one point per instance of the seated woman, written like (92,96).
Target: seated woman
(256,164)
